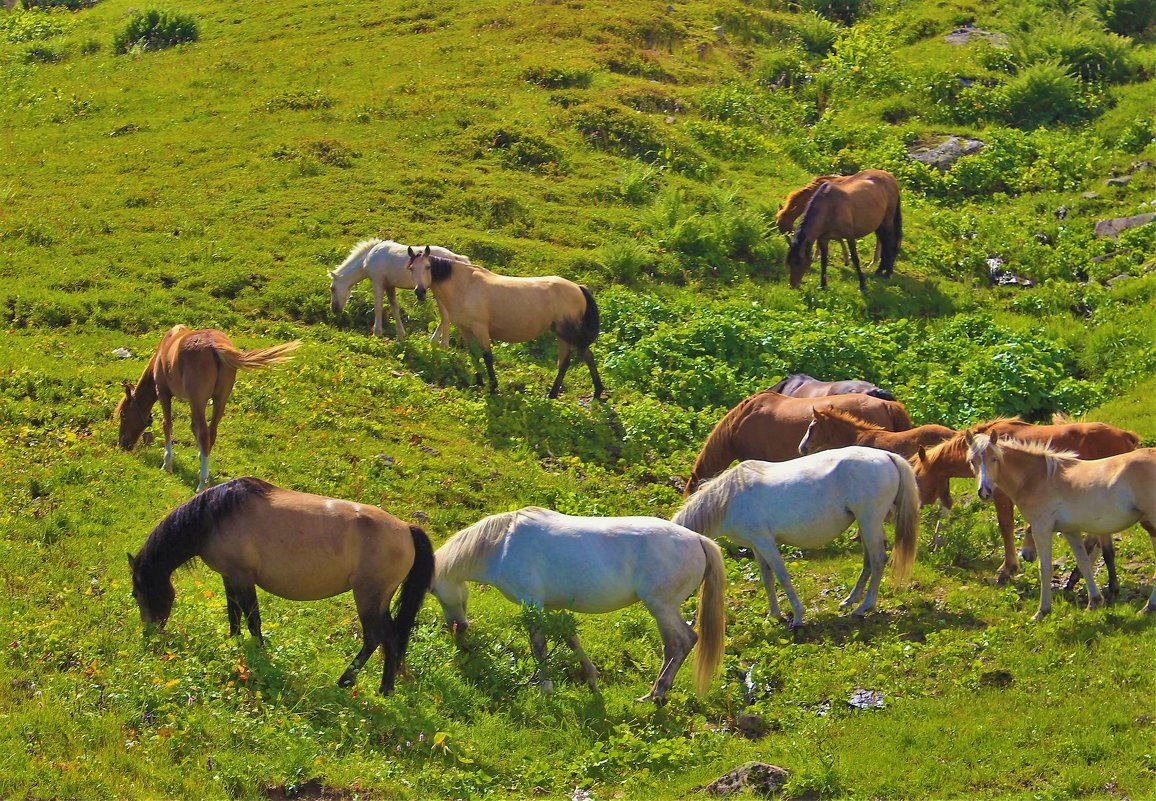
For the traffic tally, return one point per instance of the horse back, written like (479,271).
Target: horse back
(1086,440)
(519,309)
(186,364)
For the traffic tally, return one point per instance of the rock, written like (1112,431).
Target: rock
(866,699)
(946,153)
(1043,238)
(1002,277)
(965,34)
(122,353)
(1123,180)
(421,517)
(1089,195)
(758,778)
(1061,212)
(1140,166)
(753,727)
(1118,278)
(1112,228)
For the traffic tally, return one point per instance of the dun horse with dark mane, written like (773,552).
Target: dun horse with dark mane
(195,366)
(864,203)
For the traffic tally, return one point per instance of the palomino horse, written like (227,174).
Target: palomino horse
(807,503)
(801,385)
(1056,491)
(935,467)
(796,204)
(486,306)
(384,263)
(865,202)
(193,366)
(593,564)
(768,426)
(298,546)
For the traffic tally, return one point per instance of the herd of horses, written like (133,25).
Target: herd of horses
(813,458)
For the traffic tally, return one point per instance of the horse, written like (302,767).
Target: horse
(193,366)
(1057,491)
(796,204)
(297,546)
(801,385)
(384,263)
(486,306)
(865,202)
(935,467)
(550,560)
(807,503)
(768,426)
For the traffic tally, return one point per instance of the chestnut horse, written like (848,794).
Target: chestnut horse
(383,262)
(298,546)
(796,204)
(801,385)
(486,306)
(768,426)
(1056,491)
(194,366)
(863,203)
(935,467)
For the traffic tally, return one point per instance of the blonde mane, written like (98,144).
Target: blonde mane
(358,251)
(851,419)
(1053,459)
(815,183)
(703,511)
(471,545)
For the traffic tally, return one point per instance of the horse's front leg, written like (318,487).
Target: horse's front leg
(589,672)
(442,332)
(538,647)
(822,264)
(875,550)
(488,358)
(769,585)
(395,310)
(855,260)
(378,293)
(241,601)
(775,560)
(1006,518)
(166,401)
(1043,539)
(1150,526)
(1076,543)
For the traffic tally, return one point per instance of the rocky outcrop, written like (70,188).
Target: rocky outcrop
(758,778)
(944,154)
(1112,228)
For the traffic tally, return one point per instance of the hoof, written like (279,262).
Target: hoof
(1149,609)
(1095,601)
(347,680)
(1041,614)
(547,687)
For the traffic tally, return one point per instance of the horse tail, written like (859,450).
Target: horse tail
(256,359)
(906,508)
(591,324)
(413,589)
(711,616)
(898,223)
(779,387)
(881,394)
(900,420)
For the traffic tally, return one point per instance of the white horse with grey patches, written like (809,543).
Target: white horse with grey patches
(807,502)
(384,262)
(593,564)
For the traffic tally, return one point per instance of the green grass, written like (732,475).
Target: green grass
(632,149)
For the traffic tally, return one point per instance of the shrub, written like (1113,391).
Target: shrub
(1137,135)
(817,34)
(558,77)
(26,26)
(624,260)
(845,11)
(782,68)
(155,30)
(521,150)
(71,5)
(613,130)
(637,181)
(1091,54)
(1127,17)
(1042,94)
(299,100)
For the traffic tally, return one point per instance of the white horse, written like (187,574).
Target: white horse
(593,564)
(384,263)
(807,502)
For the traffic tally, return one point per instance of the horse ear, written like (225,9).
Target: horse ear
(993,437)
(426,250)
(332,274)
(127,390)
(131,562)
(411,253)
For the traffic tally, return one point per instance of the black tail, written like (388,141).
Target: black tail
(898,225)
(414,588)
(591,324)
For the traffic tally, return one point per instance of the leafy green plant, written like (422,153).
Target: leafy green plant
(558,77)
(522,150)
(1042,94)
(25,26)
(817,34)
(1127,17)
(1090,53)
(155,30)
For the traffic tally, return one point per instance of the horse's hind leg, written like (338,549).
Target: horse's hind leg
(166,401)
(874,539)
(564,353)
(220,397)
(823,264)
(1150,607)
(1076,543)
(369,613)
(1092,545)
(538,646)
(241,600)
(775,560)
(588,357)
(677,640)
(769,585)
(861,583)
(395,310)
(389,652)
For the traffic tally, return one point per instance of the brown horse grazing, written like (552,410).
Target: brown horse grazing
(194,366)
(768,426)
(486,306)
(298,546)
(935,467)
(1056,491)
(833,428)
(796,204)
(865,202)
(801,385)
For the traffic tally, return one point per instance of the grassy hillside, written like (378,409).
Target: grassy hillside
(641,148)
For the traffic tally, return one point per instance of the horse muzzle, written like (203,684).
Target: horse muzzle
(335,307)
(420,292)
(984,493)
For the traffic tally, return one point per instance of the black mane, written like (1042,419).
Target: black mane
(440,268)
(182,534)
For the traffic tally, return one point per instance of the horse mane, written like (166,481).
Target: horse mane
(182,534)
(951,446)
(356,252)
(1053,457)
(815,183)
(472,544)
(704,510)
(441,268)
(851,419)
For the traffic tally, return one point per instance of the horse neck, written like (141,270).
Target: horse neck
(144,395)
(1026,468)
(353,269)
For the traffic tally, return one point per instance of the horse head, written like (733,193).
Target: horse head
(153,592)
(933,484)
(983,458)
(452,595)
(799,256)
(418,265)
(133,421)
(339,292)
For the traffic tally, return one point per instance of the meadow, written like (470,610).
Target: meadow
(641,148)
